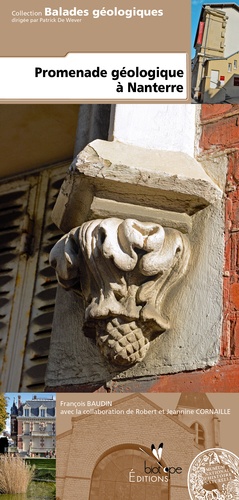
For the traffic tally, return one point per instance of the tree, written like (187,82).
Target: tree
(3,412)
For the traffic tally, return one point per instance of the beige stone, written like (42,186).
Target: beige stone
(129,174)
(123,269)
(118,181)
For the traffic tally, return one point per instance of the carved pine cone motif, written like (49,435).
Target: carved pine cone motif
(121,342)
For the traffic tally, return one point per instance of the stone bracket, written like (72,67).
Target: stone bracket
(161,214)
(107,174)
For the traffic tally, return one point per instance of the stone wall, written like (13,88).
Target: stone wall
(203,307)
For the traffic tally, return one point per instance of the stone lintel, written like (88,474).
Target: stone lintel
(135,178)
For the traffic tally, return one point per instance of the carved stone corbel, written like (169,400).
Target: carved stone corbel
(123,269)
(143,248)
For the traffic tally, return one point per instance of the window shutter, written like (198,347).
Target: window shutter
(36,354)
(14,203)
(27,282)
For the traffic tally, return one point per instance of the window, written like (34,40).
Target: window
(236,81)
(235,64)
(26,428)
(200,436)
(229,67)
(42,412)
(26,412)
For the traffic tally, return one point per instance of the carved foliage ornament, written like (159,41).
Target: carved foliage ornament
(123,269)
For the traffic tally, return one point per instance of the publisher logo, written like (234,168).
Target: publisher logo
(157,453)
(214,475)
(159,468)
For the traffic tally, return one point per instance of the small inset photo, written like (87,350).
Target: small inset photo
(215,52)
(27,446)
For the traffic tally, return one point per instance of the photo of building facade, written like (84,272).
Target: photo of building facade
(215,66)
(33,426)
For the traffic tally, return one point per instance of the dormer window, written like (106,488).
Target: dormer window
(42,411)
(26,411)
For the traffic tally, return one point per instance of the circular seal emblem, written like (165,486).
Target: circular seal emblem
(214,475)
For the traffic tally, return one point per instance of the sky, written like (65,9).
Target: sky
(24,397)
(196,9)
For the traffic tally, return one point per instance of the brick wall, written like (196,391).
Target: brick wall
(62,451)
(94,436)
(219,138)
(220,133)
(20,432)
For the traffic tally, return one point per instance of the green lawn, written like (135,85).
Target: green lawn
(45,468)
(46,463)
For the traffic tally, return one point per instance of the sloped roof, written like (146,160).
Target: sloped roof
(130,398)
(194,400)
(221,58)
(220,5)
(35,404)
(14,410)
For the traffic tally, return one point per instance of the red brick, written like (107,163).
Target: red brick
(235,295)
(220,132)
(235,163)
(236,338)
(225,342)
(221,135)
(234,254)
(216,379)
(235,215)
(212,110)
